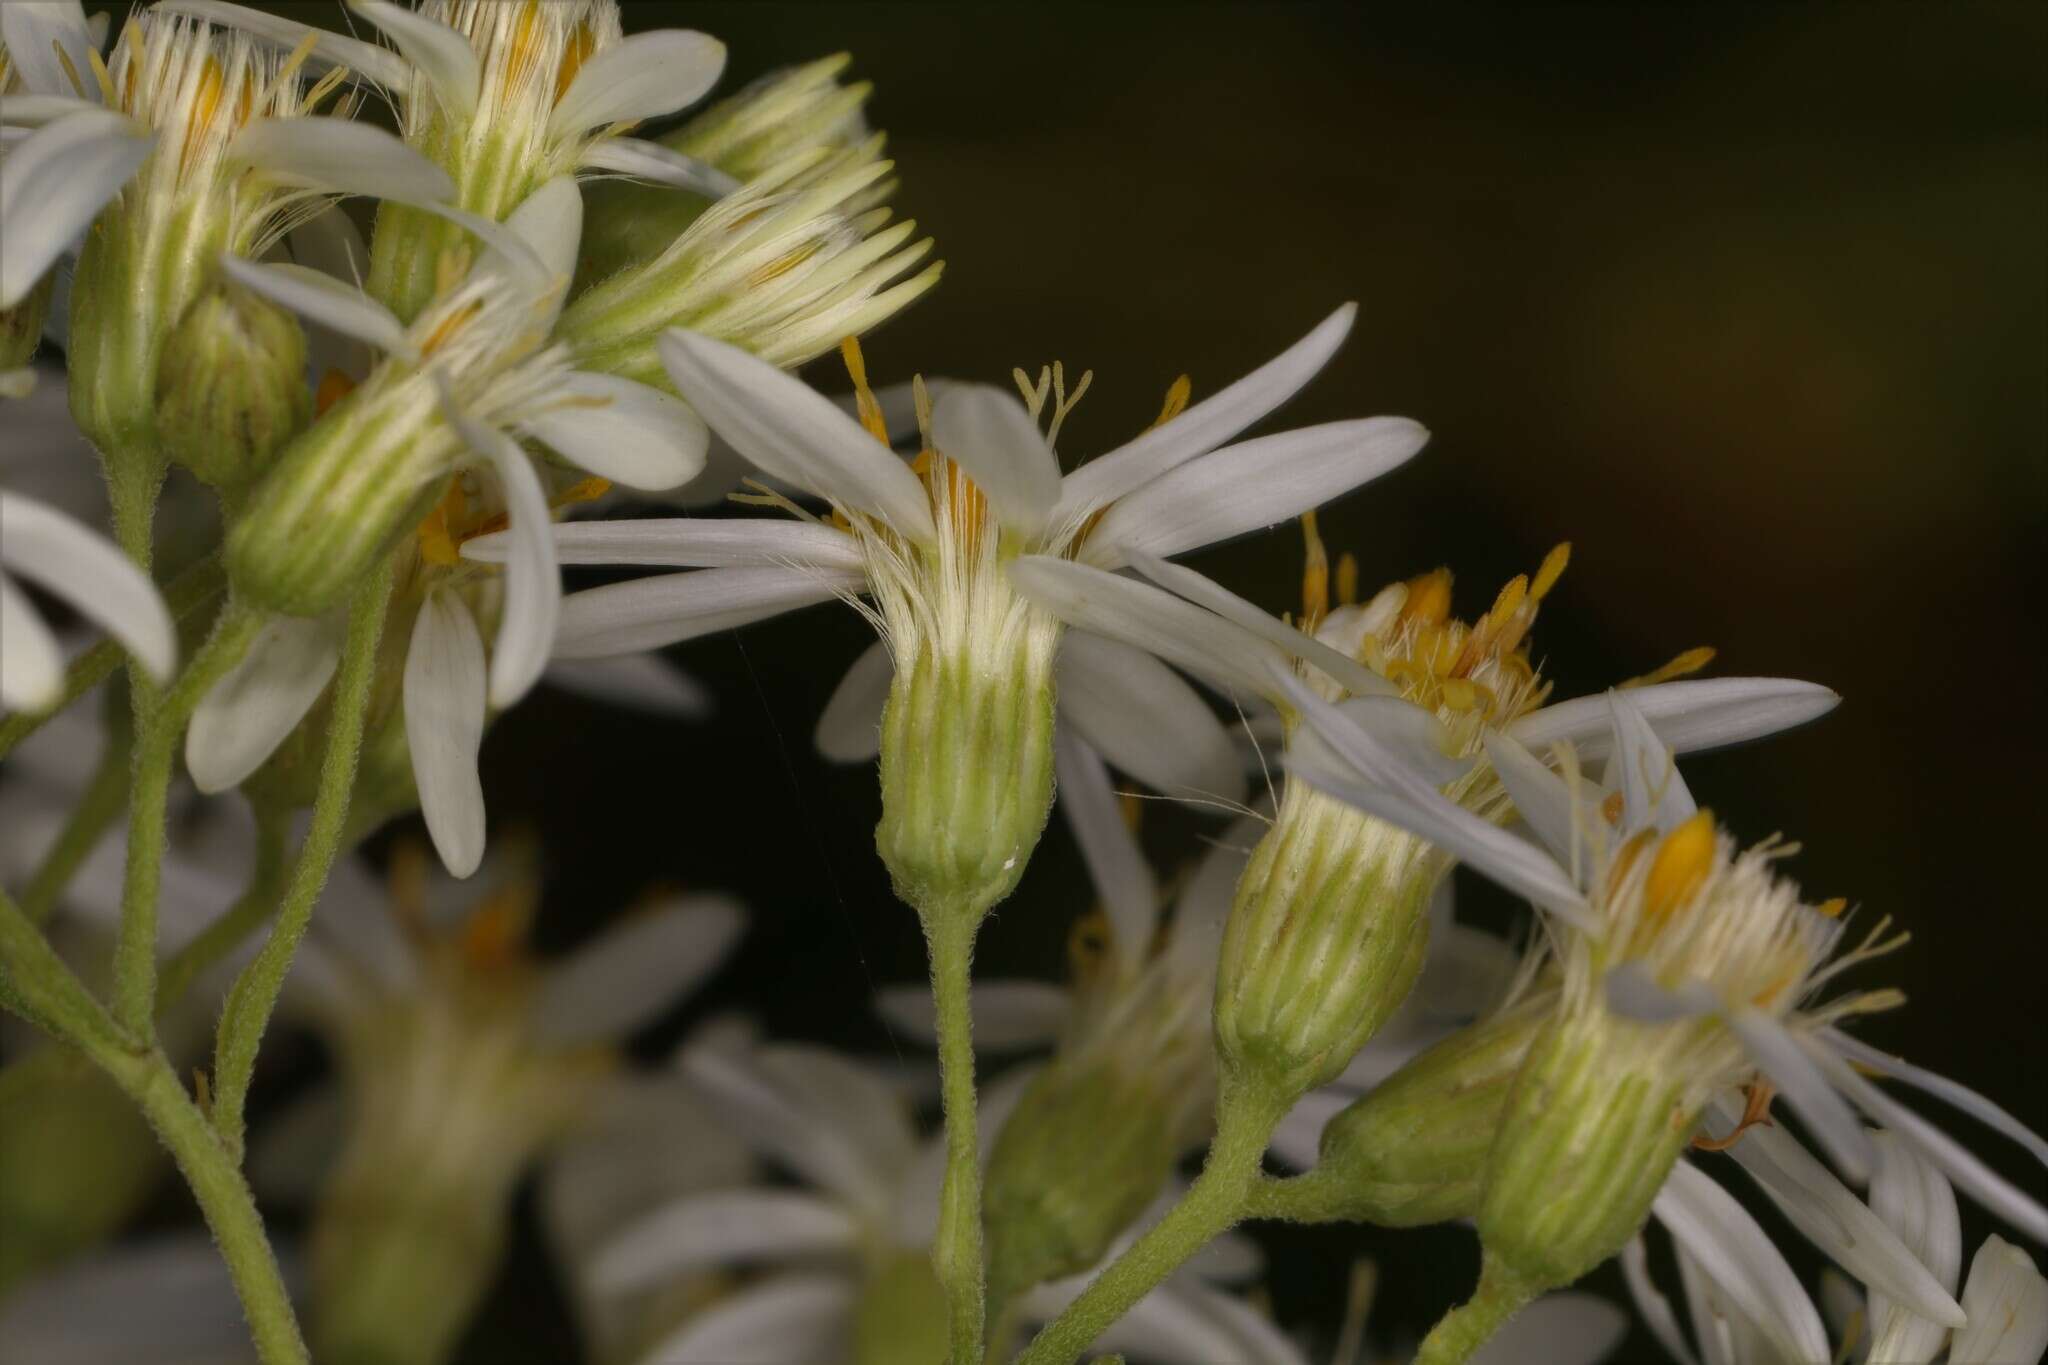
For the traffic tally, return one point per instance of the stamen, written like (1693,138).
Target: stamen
(1087,944)
(1176,401)
(1682,864)
(1833,907)
(1551,570)
(438,543)
(99,74)
(449,327)
(1429,598)
(1611,808)
(865,403)
(581,44)
(1347,579)
(1315,575)
(494,935)
(1692,661)
(1064,402)
(70,71)
(334,386)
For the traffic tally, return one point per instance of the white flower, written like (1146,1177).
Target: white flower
(861,1225)
(931,544)
(87,574)
(167,1300)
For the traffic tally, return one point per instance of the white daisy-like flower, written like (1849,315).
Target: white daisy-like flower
(849,1252)
(400,451)
(88,574)
(506,95)
(462,1059)
(929,545)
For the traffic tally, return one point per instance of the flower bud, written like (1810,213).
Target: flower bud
(1324,941)
(1080,1158)
(966,767)
(231,386)
(1414,1149)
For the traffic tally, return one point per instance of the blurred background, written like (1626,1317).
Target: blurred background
(1749,304)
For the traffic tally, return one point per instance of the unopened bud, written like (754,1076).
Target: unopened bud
(231,386)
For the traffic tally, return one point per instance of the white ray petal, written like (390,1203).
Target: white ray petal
(323,299)
(1145,720)
(1633,992)
(1206,425)
(1834,1219)
(248,713)
(1251,485)
(90,576)
(691,542)
(340,156)
(34,31)
(444,727)
(1739,1257)
(623,431)
(378,65)
(718,1230)
(1123,879)
(166,1300)
(644,76)
(635,970)
(1652,1304)
(31,661)
(850,727)
(1689,715)
(1915,1201)
(533,586)
(1806,1088)
(782,425)
(2007,1300)
(1942,1088)
(988,433)
(648,613)
(795,1319)
(549,222)
(53,183)
(637,682)
(441,54)
(1411,735)
(1652,792)
(662,165)
(1541,797)
(1009,1016)
(1559,1329)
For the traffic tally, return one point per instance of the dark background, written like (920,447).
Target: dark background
(1747,303)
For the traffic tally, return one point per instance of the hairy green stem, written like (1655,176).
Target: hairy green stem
(1312,1197)
(1501,1294)
(45,991)
(159,724)
(97,810)
(1245,1119)
(956,1251)
(238,921)
(253,997)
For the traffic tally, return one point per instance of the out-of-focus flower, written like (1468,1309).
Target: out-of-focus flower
(168,1301)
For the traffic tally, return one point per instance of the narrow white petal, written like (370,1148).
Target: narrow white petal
(1689,715)
(1411,735)
(444,727)
(1633,992)
(167,1300)
(31,661)
(647,613)
(380,66)
(20,111)
(533,586)
(550,222)
(2007,1301)
(1942,1088)
(1009,1016)
(637,682)
(1541,797)
(692,543)
(644,76)
(90,576)
(797,1319)
(1806,1088)
(1963,1169)
(1834,1219)
(1206,425)
(1739,1257)
(850,727)
(1203,906)
(1123,879)
(442,55)
(1651,1302)
(988,433)
(721,1229)
(33,32)
(1141,615)
(1251,485)
(662,165)
(635,970)
(332,303)
(1559,1329)
(623,431)
(782,425)
(340,156)
(248,713)
(53,183)
(1653,794)
(1915,1201)
(1145,720)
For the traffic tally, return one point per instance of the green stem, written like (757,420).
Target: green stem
(253,997)
(956,1251)
(1312,1197)
(1501,1294)
(41,988)
(1245,1119)
(159,723)
(196,587)
(212,1170)
(88,823)
(238,921)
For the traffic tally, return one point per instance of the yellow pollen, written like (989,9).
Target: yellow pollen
(581,44)
(525,44)
(1462,694)
(438,542)
(1315,575)
(334,386)
(1611,808)
(1347,579)
(583,490)
(1682,863)
(866,404)
(494,935)
(1429,598)
(1692,661)
(1551,570)
(1176,401)
(782,265)
(1832,907)
(1625,856)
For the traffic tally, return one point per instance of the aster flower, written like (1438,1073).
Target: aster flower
(399,451)
(851,1249)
